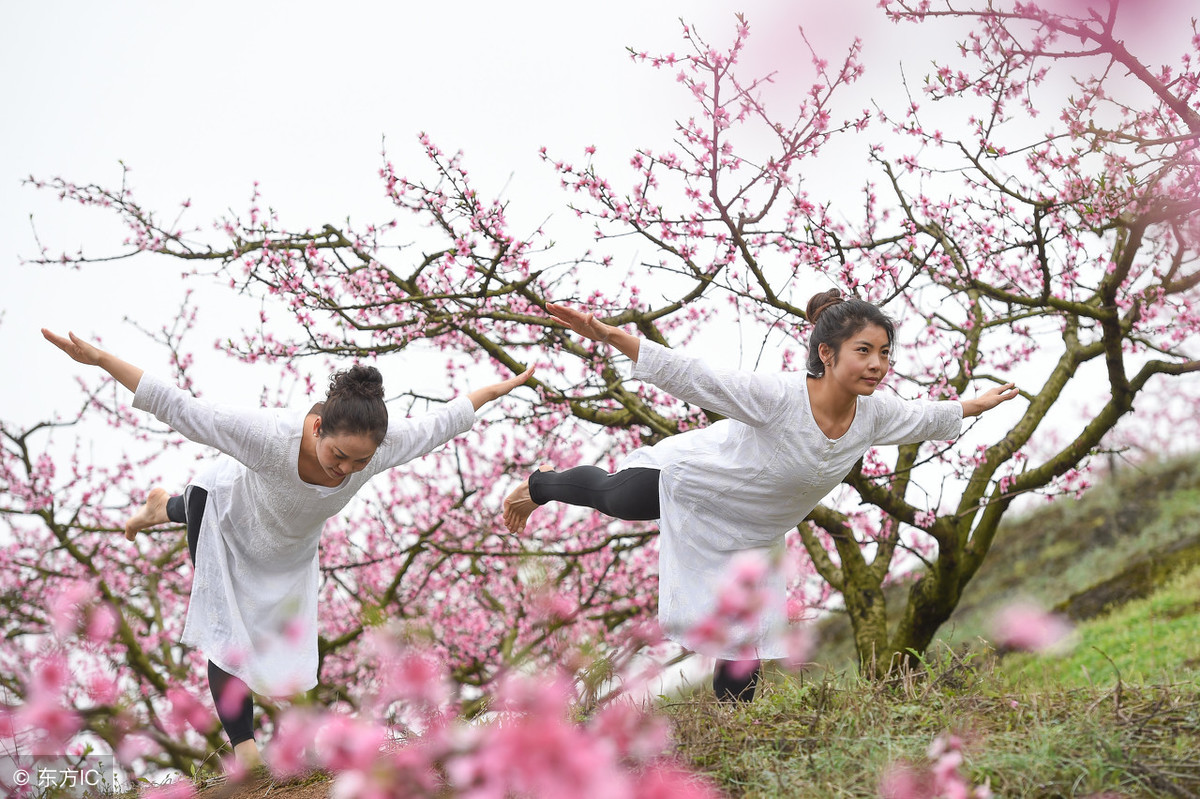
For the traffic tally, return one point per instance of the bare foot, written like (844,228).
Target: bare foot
(248,755)
(152,513)
(518,505)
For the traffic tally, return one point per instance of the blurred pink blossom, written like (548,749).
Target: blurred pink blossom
(346,743)
(666,781)
(229,703)
(1027,627)
(103,689)
(940,779)
(185,710)
(101,624)
(289,749)
(49,719)
(65,607)
(179,789)
(741,599)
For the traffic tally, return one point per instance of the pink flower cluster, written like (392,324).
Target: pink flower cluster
(1025,626)
(738,613)
(527,744)
(940,779)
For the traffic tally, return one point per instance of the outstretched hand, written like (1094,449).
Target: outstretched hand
(81,351)
(481,396)
(77,348)
(588,326)
(505,386)
(585,324)
(989,399)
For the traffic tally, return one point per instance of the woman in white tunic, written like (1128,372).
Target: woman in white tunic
(254,518)
(740,484)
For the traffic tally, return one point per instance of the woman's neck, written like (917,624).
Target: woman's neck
(833,407)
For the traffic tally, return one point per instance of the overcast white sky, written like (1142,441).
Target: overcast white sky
(202,99)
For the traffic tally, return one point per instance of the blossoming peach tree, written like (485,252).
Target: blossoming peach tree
(1027,210)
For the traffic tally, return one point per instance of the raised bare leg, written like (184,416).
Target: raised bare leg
(153,512)
(518,505)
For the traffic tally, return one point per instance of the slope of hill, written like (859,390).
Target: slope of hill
(1127,535)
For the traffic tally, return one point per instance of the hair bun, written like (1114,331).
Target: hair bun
(821,302)
(358,380)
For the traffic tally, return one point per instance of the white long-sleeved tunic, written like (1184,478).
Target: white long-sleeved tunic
(253,608)
(742,483)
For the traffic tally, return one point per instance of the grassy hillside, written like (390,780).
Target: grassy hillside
(835,736)
(1154,640)
(1118,715)
(1122,539)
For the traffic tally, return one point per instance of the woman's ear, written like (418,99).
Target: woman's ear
(317,426)
(826,354)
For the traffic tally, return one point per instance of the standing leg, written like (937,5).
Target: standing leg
(235,709)
(735,680)
(232,697)
(630,494)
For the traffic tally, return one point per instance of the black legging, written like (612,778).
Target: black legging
(189,509)
(735,680)
(632,495)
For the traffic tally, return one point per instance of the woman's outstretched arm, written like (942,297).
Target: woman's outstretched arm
(238,433)
(588,326)
(989,399)
(754,398)
(481,396)
(126,374)
(414,436)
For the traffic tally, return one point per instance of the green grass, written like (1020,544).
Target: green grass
(835,736)
(1116,716)
(1068,546)
(1060,549)
(1147,641)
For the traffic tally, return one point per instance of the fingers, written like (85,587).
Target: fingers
(576,320)
(1004,393)
(70,346)
(560,312)
(517,380)
(56,339)
(585,324)
(505,386)
(74,346)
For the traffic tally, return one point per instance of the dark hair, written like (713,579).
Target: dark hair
(354,404)
(835,319)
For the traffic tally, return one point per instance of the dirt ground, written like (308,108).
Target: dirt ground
(314,786)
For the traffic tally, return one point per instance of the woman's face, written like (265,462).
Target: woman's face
(342,454)
(861,362)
